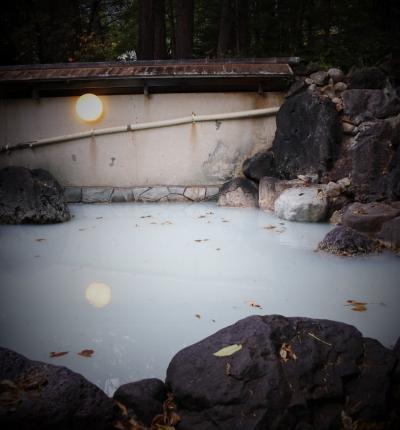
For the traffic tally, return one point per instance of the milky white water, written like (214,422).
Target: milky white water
(131,282)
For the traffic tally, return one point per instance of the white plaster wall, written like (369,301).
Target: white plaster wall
(199,154)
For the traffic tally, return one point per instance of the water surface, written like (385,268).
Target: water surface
(138,282)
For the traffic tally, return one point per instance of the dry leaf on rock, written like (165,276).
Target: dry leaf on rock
(286,352)
(86,353)
(57,354)
(198,316)
(228,350)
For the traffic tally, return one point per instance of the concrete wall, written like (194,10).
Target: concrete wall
(195,154)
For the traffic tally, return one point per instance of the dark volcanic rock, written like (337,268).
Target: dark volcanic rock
(346,241)
(375,175)
(368,105)
(307,136)
(259,165)
(369,217)
(30,196)
(393,178)
(239,192)
(291,373)
(367,78)
(46,397)
(145,398)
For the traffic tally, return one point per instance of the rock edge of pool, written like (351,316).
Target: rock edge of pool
(261,372)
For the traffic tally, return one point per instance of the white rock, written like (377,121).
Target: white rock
(301,204)
(195,193)
(345,182)
(333,189)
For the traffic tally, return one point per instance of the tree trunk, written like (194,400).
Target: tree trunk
(146,30)
(184,28)
(225,28)
(160,49)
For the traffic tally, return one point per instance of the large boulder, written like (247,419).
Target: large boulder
(39,396)
(304,204)
(259,165)
(307,136)
(143,398)
(369,217)
(375,175)
(346,241)
(270,189)
(31,196)
(367,78)
(238,192)
(286,373)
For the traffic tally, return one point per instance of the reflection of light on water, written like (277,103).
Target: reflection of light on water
(98,294)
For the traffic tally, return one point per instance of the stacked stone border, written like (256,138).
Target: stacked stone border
(141,194)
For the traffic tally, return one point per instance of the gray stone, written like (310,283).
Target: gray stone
(339,87)
(320,78)
(138,191)
(212,191)
(195,194)
(239,192)
(177,190)
(154,194)
(389,234)
(333,189)
(296,87)
(267,193)
(96,194)
(122,195)
(348,128)
(302,204)
(335,74)
(73,194)
(31,196)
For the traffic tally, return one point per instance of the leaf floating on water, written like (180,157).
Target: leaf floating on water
(198,240)
(269,227)
(253,304)
(225,220)
(145,216)
(198,316)
(166,223)
(286,352)
(357,306)
(201,216)
(153,222)
(86,353)
(218,249)
(81,229)
(40,239)
(99,217)
(228,350)
(57,354)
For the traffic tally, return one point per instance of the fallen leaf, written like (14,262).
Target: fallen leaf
(253,304)
(40,239)
(153,222)
(218,249)
(37,256)
(81,229)
(201,216)
(357,306)
(228,350)
(225,220)
(198,316)
(286,352)
(166,223)
(198,240)
(145,216)
(57,354)
(86,353)
(99,217)
(269,227)
(320,340)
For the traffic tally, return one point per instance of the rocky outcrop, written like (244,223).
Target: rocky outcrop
(346,241)
(369,217)
(258,166)
(367,78)
(389,235)
(284,373)
(144,399)
(239,192)
(270,189)
(301,204)
(307,136)
(31,196)
(39,396)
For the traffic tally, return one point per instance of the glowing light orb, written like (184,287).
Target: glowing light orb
(89,107)
(98,294)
